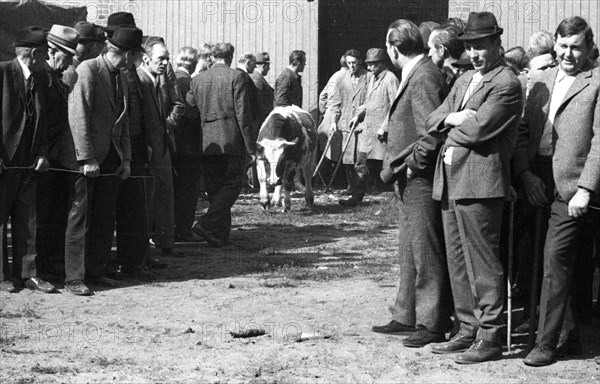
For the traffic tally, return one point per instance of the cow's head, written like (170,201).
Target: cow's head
(272,152)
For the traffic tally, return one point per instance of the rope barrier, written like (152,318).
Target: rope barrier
(32,167)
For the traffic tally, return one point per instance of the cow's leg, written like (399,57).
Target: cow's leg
(288,182)
(262,179)
(309,196)
(276,196)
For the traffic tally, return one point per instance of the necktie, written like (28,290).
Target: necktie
(29,97)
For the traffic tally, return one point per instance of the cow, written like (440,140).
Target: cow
(286,143)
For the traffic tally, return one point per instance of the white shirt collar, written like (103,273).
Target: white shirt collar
(154,79)
(183,69)
(409,66)
(25,69)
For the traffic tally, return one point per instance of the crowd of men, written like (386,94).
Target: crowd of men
(466,129)
(100,130)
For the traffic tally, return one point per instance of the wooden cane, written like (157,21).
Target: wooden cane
(535,278)
(511,218)
(324,153)
(339,162)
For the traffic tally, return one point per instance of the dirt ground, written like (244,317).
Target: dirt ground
(329,273)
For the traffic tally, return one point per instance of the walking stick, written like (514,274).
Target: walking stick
(511,217)
(324,153)
(537,256)
(339,162)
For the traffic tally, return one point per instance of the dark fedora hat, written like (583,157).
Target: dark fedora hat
(64,38)
(119,18)
(89,32)
(128,38)
(31,37)
(374,55)
(263,58)
(480,25)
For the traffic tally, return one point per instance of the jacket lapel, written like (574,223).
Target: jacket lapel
(19,79)
(486,78)
(146,79)
(582,80)
(362,79)
(105,81)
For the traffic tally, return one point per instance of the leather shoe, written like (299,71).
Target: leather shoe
(207,235)
(351,202)
(422,337)
(524,327)
(157,264)
(37,284)
(191,238)
(481,351)
(138,273)
(392,327)
(540,356)
(170,252)
(77,287)
(7,286)
(458,343)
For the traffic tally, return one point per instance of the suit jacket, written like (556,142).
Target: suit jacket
(346,101)
(482,145)
(381,93)
(95,118)
(576,131)
(288,89)
(159,115)
(266,96)
(57,117)
(188,132)
(13,101)
(422,93)
(221,98)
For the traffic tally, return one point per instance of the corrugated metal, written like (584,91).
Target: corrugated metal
(277,27)
(522,18)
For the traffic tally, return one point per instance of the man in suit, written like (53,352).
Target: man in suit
(98,146)
(187,161)
(288,86)
(90,45)
(561,131)
(422,301)
(347,98)
(162,113)
(23,151)
(479,118)
(220,96)
(53,193)
(265,93)
(381,92)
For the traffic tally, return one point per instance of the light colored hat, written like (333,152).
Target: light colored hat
(64,38)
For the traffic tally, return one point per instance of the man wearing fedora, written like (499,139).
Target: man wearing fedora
(91,44)
(99,147)
(479,120)
(53,193)
(557,159)
(266,94)
(381,92)
(23,151)
(422,301)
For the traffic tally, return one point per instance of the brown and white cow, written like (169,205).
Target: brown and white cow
(287,142)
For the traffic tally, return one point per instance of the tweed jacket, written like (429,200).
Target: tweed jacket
(187,133)
(95,119)
(265,94)
(482,145)
(422,92)
(288,89)
(159,118)
(576,131)
(381,93)
(13,100)
(346,101)
(221,98)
